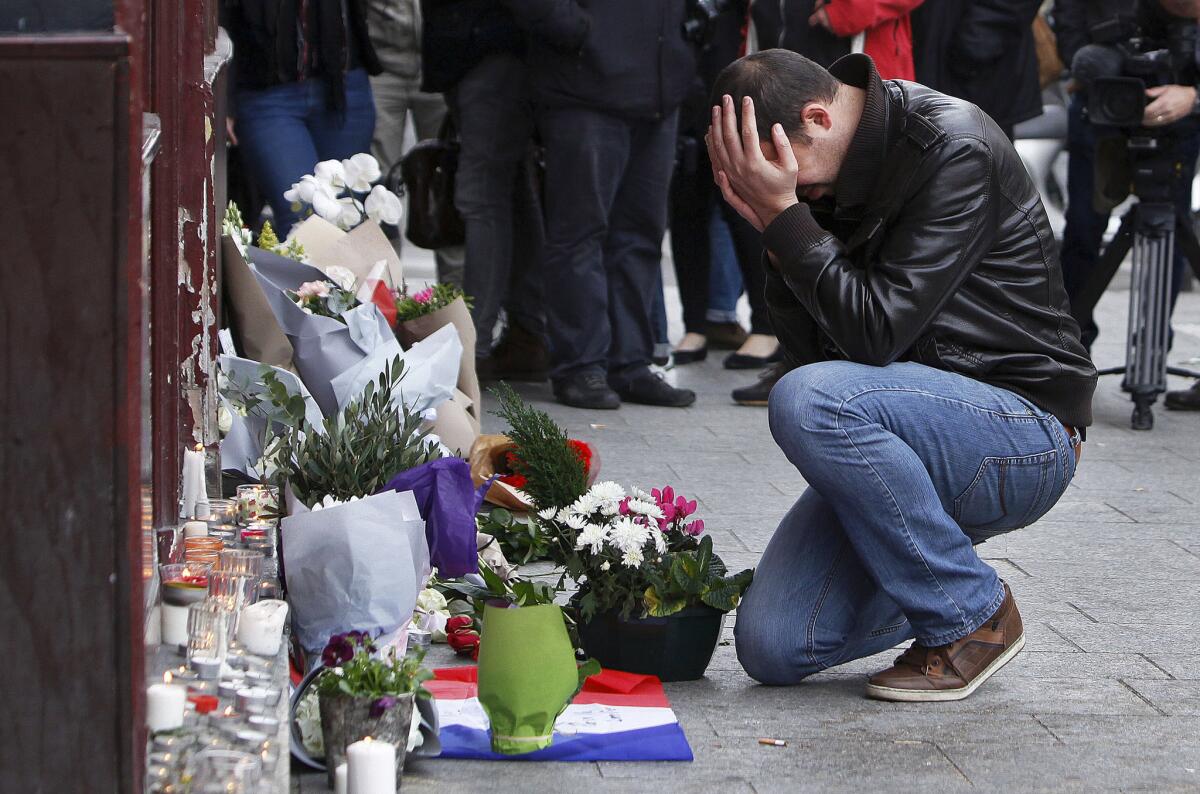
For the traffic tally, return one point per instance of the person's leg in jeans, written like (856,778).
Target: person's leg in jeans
(1084,229)
(633,249)
(339,136)
(908,468)
(724,276)
(495,123)
(276,144)
(586,156)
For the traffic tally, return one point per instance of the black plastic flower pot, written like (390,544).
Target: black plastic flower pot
(675,648)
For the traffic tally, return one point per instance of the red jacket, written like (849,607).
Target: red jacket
(888,32)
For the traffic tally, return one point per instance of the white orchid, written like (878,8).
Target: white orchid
(350,215)
(342,276)
(383,206)
(326,206)
(360,172)
(331,172)
(304,191)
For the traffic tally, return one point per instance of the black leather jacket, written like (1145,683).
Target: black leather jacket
(940,253)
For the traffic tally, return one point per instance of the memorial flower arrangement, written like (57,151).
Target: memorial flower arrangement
(356,668)
(324,298)
(292,249)
(344,193)
(640,553)
(410,306)
(357,451)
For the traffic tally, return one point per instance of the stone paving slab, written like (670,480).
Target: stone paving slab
(1106,697)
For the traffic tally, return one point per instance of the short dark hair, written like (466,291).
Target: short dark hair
(781,83)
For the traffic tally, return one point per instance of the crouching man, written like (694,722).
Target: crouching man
(943,388)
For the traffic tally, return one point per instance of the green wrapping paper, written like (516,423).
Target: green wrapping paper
(527,675)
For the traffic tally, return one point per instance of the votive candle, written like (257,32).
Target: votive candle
(371,767)
(164,707)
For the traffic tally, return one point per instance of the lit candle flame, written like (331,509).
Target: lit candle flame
(186,572)
(167,677)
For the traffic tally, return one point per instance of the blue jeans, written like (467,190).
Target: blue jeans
(724,275)
(285,130)
(908,468)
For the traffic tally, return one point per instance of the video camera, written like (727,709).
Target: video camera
(1125,60)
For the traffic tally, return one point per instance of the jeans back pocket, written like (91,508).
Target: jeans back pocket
(1006,494)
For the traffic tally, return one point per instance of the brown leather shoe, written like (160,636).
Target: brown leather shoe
(954,671)
(725,336)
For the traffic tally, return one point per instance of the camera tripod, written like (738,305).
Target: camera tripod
(1151,228)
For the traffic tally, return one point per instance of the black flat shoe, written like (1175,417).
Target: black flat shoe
(759,393)
(690,356)
(651,389)
(586,391)
(742,361)
(1184,399)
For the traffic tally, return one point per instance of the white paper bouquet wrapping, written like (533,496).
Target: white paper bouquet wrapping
(356,566)
(242,447)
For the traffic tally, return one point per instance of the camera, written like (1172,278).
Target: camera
(701,20)
(1126,58)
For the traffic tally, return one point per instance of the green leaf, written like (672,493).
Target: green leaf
(659,607)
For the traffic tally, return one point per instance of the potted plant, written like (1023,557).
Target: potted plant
(364,691)
(652,594)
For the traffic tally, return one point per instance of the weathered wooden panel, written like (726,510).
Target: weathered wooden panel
(69,409)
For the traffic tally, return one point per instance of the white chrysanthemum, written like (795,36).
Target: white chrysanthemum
(575,522)
(638,493)
(608,491)
(606,565)
(585,505)
(660,541)
(548,514)
(632,558)
(626,534)
(592,538)
(645,508)
(610,508)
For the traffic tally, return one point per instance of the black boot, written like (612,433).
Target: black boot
(651,389)
(760,392)
(1184,399)
(589,390)
(519,356)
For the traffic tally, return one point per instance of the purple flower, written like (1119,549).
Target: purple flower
(338,651)
(695,528)
(379,706)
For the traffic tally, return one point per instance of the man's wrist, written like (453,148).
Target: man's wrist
(774,211)
(792,231)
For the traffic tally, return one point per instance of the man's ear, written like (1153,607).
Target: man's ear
(817,115)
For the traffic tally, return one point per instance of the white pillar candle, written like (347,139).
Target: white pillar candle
(339,779)
(164,707)
(195,529)
(193,481)
(371,767)
(174,624)
(260,627)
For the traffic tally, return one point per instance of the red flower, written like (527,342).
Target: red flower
(462,637)
(458,623)
(583,452)
(514,480)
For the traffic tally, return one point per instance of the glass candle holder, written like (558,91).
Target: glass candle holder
(208,637)
(227,771)
(241,561)
(232,592)
(256,502)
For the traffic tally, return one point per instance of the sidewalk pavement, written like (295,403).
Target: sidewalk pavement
(1105,697)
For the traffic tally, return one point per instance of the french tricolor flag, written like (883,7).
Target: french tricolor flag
(374,289)
(616,717)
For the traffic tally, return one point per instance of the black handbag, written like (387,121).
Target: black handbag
(427,172)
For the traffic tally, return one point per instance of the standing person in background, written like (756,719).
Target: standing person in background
(693,198)
(301,92)
(395,30)
(823,31)
(981,51)
(473,52)
(609,81)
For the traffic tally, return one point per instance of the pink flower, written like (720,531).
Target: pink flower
(624,506)
(313,289)
(695,528)
(423,296)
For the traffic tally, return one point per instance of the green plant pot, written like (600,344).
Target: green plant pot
(527,675)
(675,648)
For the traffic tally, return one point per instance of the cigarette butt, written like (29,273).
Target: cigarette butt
(599,427)
(773,742)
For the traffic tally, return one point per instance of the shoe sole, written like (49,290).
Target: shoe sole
(753,403)
(942,695)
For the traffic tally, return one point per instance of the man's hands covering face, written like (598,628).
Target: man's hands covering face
(757,188)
